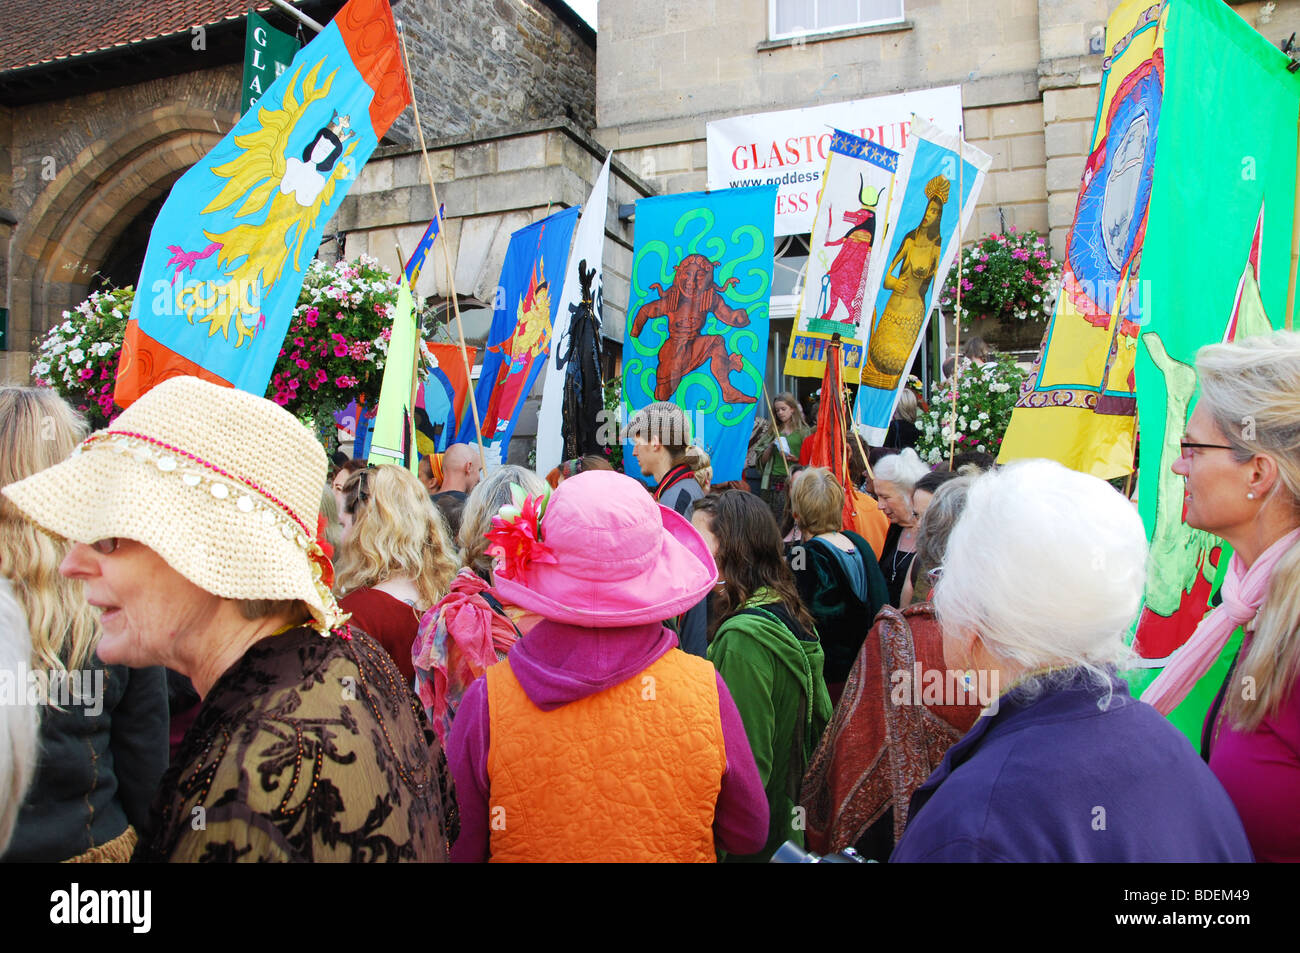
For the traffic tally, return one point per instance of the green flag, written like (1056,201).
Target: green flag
(394,439)
(1221,203)
(267,52)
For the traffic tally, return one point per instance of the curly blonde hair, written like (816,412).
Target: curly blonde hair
(37,430)
(395,532)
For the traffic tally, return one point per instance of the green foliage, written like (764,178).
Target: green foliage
(78,358)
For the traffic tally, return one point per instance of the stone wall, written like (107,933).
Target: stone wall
(486,65)
(80,170)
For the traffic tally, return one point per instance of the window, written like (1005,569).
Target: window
(788,18)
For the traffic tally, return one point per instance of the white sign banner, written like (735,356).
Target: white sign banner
(789,148)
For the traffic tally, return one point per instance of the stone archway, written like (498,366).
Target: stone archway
(74,223)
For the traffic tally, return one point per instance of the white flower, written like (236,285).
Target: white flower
(40,369)
(76,355)
(974,425)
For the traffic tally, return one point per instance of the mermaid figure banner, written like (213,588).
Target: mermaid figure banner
(849,227)
(230,248)
(698,316)
(920,246)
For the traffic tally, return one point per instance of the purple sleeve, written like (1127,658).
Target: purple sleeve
(740,823)
(467,755)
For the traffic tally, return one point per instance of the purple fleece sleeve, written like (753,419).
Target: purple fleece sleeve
(740,822)
(467,755)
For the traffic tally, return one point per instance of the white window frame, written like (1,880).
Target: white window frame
(773,35)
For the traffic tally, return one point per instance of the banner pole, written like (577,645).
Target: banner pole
(446,255)
(1295,236)
(416,358)
(956,342)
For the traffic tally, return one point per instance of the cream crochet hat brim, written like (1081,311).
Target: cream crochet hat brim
(224,485)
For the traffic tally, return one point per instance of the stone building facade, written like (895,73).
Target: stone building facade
(1029,72)
(98,118)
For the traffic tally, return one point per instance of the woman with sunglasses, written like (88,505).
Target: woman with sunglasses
(1241,467)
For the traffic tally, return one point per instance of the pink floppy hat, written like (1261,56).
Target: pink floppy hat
(619,558)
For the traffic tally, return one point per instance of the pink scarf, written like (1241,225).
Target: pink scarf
(1244,591)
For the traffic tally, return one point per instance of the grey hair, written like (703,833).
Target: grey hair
(901,469)
(934,529)
(489,495)
(1047,567)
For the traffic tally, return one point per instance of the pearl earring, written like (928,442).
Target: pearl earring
(1250,496)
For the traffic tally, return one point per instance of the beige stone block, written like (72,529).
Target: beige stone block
(1022,185)
(526,152)
(1033,217)
(1059,236)
(1016,120)
(375,176)
(998,151)
(1060,209)
(1079,102)
(476,159)
(1067,39)
(1067,138)
(976,123)
(1064,173)
(1028,152)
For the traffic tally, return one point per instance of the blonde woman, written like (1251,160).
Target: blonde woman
(397,558)
(1241,464)
(103,729)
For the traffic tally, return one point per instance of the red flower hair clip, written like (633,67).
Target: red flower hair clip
(516,533)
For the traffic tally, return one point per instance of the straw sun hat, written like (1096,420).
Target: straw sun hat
(223,485)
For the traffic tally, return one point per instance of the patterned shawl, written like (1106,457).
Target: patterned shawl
(874,753)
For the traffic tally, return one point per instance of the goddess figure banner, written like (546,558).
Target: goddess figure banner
(230,248)
(920,245)
(520,338)
(1077,405)
(1246,159)
(698,316)
(849,226)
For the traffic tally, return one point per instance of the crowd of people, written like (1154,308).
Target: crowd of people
(242,656)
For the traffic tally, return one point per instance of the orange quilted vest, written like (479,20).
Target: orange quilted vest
(630,774)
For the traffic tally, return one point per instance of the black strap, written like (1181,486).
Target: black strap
(674,476)
(1207,730)
(500,610)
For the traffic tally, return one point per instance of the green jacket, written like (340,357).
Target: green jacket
(771,674)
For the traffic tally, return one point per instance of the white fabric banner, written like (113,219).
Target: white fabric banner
(789,148)
(588,248)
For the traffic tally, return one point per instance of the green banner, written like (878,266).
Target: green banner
(1225,170)
(394,439)
(267,53)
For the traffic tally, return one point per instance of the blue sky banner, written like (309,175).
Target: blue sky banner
(520,338)
(230,248)
(697,316)
(920,246)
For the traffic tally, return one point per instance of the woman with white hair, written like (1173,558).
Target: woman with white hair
(896,475)
(1042,576)
(1241,462)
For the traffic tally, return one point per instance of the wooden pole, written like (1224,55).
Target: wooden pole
(415,357)
(446,256)
(1295,236)
(956,342)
